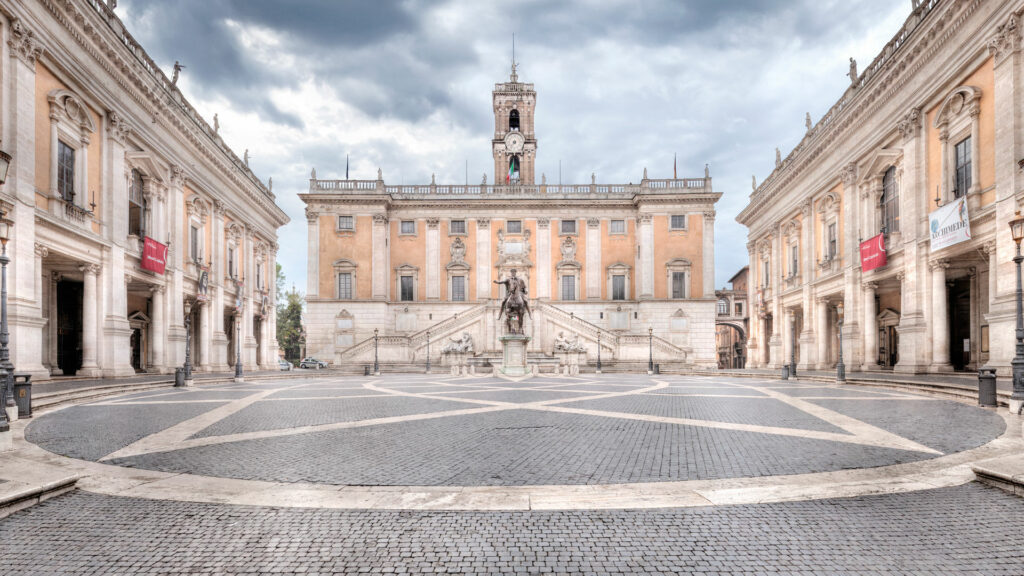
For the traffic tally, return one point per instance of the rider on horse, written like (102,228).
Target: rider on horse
(515,297)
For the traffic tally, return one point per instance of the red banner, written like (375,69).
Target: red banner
(872,253)
(154,256)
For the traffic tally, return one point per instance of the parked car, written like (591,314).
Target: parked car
(284,365)
(310,362)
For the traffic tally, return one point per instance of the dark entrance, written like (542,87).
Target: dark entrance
(69,326)
(959,294)
(257,329)
(137,349)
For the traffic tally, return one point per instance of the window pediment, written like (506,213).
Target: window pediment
(67,106)
(962,99)
(344,264)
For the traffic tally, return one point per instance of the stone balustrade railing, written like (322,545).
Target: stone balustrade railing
(696,185)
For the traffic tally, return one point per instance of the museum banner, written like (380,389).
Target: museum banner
(950,224)
(872,253)
(154,256)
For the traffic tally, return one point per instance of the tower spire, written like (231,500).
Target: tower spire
(514,77)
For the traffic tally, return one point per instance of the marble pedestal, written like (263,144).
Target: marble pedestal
(513,357)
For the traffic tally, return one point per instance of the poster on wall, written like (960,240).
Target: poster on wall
(154,256)
(872,253)
(950,224)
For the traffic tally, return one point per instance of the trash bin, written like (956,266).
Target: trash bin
(23,394)
(785,371)
(179,377)
(366,370)
(657,368)
(987,387)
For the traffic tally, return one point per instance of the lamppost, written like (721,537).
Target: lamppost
(792,344)
(1017,397)
(650,350)
(239,377)
(376,365)
(598,351)
(187,369)
(5,353)
(840,367)
(428,351)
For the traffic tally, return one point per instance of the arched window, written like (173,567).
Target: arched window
(513,169)
(890,202)
(513,120)
(136,205)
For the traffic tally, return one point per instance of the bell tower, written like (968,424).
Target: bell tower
(515,142)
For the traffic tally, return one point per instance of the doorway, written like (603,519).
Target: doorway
(959,294)
(69,326)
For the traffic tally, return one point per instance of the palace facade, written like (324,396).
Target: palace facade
(627,267)
(128,208)
(893,210)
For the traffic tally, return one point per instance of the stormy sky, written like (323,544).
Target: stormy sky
(405,86)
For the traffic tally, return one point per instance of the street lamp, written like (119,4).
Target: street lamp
(650,350)
(5,353)
(1017,397)
(428,351)
(376,365)
(187,380)
(598,351)
(840,367)
(792,344)
(5,163)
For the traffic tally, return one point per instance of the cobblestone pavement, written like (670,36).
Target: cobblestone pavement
(968,529)
(430,430)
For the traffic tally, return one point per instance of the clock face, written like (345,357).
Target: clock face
(514,142)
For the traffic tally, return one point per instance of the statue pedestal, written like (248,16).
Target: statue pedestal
(513,358)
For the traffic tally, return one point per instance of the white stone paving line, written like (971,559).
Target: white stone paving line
(30,461)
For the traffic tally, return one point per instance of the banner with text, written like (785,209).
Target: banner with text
(154,256)
(872,253)
(950,224)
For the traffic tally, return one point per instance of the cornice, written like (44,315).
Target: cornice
(927,38)
(144,88)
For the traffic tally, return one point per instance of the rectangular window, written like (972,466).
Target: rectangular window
(65,171)
(723,307)
(231,262)
(617,227)
(346,223)
(679,284)
(833,241)
(458,288)
(678,222)
(514,226)
(890,202)
(963,168)
(618,287)
(766,273)
(457,227)
(259,276)
(136,205)
(794,260)
(568,287)
(345,285)
(406,288)
(568,226)
(739,309)
(408,227)
(194,243)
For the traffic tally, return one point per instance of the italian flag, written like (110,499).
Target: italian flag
(509,177)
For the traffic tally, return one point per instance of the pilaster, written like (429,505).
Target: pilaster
(433,259)
(483,259)
(594,272)
(544,258)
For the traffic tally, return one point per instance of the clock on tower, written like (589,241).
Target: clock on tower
(515,144)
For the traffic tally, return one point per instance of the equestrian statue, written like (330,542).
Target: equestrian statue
(514,304)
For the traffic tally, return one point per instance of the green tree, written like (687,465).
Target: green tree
(279,296)
(289,325)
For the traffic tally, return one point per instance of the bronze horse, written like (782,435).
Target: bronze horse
(515,303)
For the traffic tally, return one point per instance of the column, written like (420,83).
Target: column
(945,152)
(789,349)
(273,343)
(708,257)
(175,352)
(202,359)
(975,149)
(543,258)
(807,349)
(754,324)
(775,344)
(940,318)
(158,329)
(313,258)
(90,323)
(822,336)
(483,259)
(51,326)
(870,327)
(594,268)
(433,247)
(380,258)
(646,257)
